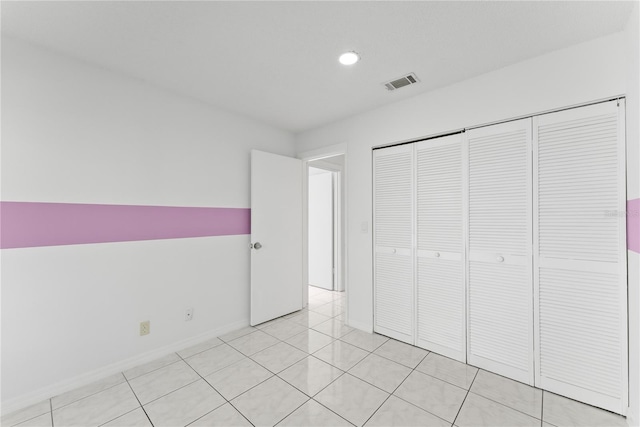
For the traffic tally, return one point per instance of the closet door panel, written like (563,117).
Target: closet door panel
(440,247)
(393,242)
(580,274)
(500,309)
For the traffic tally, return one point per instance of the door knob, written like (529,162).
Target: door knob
(500,258)
(437,254)
(257,245)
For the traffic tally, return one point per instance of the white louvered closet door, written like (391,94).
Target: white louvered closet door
(500,307)
(580,257)
(440,291)
(393,242)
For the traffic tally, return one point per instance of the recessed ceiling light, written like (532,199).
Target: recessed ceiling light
(349,58)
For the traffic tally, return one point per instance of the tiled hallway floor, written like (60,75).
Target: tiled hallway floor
(308,369)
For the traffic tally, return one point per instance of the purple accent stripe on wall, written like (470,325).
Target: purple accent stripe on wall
(31,224)
(633,225)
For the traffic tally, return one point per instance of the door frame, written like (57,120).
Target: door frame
(341,240)
(336,250)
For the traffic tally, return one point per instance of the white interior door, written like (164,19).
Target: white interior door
(440,293)
(276,236)
(580,258)
(500,288)
(321,228)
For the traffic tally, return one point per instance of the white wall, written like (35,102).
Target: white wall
(582,73)
(632,39)
(72,132)
(320,228)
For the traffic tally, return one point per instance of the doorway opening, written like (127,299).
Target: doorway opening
(325,230)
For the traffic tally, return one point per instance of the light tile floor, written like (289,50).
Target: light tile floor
(308,369)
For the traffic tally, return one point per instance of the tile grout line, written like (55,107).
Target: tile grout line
(465,396)
(155,370)
(317,358)
(136,396)
(298,407)
(195,354)
(394,340)
(405,366)
(542,392)
(502,404)
(395,389)
(221,395)
(331,410)
(51,408)
(250,357)
(319,391)
(84,397)
(273,375)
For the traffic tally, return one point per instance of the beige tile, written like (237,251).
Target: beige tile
(237,333)
(341,355)
(269,402)
(184,406)
(238,378)
(27,413)
(479,412)
(156,384)
(285,329)
(449,370)
(135,418)
(352,399)
(515,395)
(364,340)
(82,392)
(224,416)
(210,361)
(397,412)
(380,372)
(433,395)
(310,341)
(279,357)
(98,408)
(309,318)
(270,322)
(331,309)
(43,420)
(254,342)
(334,328)
(402,353)
(313,414)
(310,375)
(560,411)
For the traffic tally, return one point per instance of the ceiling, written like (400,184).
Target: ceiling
(277,61)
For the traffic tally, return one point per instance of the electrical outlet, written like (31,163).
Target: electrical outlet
(145,328)
(188,314)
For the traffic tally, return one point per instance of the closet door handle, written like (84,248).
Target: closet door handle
(437,254)
(499,258)
(394,251)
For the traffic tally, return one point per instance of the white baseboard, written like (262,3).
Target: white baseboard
(52,390)
(363,326)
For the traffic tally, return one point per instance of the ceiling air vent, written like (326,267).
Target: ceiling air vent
(403,81)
